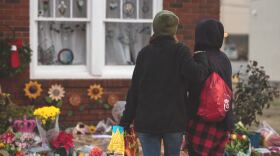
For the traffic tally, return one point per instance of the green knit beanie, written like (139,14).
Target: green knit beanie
(165,23)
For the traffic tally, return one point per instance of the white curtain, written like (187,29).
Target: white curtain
(124,41)
(55,36)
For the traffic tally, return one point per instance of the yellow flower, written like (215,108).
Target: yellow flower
(46,113)
(95,91)
(233,136)
(235,79)
(91,129)
(1,145)
(56,92)
(33,89)
(81,154)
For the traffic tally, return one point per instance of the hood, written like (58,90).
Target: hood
(209,35)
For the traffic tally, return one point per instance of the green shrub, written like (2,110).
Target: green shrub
(252,93)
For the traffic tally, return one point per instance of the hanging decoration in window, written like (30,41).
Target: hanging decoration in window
(62,8)
(46,5)
(80,4)
(44,8)
(113,4)
(47,56)
(128,9)
(62,43)
(145,7)
(65,56)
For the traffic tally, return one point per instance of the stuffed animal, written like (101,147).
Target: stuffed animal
(81,129)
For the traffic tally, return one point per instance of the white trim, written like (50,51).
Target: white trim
(126,72)
(108,72)
(62,19)
(137,9)
(71,8)
(121,9)
(98,37)
(54,8)
(128,20)
(33,35)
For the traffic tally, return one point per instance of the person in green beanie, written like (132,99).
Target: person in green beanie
(165,23)
(157,99)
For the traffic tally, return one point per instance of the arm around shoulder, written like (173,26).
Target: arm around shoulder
(194,68)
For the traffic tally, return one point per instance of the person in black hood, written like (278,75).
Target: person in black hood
(157,98)
(209,138)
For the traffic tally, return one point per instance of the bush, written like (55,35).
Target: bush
(252,93)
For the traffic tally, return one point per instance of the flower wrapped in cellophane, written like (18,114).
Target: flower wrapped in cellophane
(46,115)
(47,123)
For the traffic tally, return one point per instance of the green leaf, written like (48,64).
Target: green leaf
(70,113)
(48,99)
(59,103)
(107,106)
(82,108)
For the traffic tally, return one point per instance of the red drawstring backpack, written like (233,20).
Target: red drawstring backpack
(214,99)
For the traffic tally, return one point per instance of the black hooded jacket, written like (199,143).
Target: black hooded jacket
(209,37)
(157,98)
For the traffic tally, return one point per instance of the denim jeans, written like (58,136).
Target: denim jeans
(151,143)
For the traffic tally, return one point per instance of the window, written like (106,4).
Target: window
(236,47)
(82,39)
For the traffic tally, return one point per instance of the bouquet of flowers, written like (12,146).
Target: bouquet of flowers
(7,140)
(131,143)
(62,143)
(15,143)
(239,144)
(24,140)
(47,123)
(47,115)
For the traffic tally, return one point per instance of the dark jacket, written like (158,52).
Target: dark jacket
(209,37)
(157,98)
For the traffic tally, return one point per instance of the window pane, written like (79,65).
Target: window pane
(113,9)
(62,8)
(146,9)
(62,43)
(236,47)
(129,8)
(124,41)
(79,8)
(45,8)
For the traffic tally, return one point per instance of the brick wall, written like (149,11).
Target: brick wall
(15,13)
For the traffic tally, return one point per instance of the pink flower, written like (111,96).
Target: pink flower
(7,138)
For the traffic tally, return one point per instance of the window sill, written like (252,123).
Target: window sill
(81,72)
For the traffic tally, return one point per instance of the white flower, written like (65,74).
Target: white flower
(56,92)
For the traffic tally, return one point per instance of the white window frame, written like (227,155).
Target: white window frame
(95,67)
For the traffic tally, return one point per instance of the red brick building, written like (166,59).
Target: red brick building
(29,17)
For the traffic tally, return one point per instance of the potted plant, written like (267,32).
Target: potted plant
(252,93)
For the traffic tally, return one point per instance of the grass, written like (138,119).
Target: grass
(271,116)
